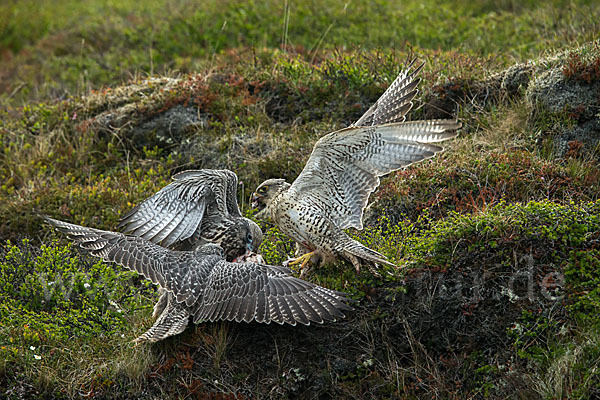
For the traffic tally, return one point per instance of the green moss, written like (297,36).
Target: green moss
(60,310)
(562,227)
(51,295)
(582,273)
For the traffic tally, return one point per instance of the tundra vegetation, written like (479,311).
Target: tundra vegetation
(497,239)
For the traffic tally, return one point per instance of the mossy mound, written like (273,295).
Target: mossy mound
(484,305)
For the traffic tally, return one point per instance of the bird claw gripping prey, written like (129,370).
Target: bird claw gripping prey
(305,261)
(344,168)
(203,286)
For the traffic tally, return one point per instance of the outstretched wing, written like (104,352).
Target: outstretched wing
(222,183)
(178,272)
(213,288)
(248,291)
(175,213)
(345,166)
(396,101)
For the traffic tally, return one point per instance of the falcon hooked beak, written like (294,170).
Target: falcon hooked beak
(266,191)
(257,201)
(253,240)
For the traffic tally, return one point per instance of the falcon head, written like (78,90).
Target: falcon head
(240,238)
(267,191)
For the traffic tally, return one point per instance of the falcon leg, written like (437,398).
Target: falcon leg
(355,261)
(304,259)
(304,269)
(300,249)
(161,304)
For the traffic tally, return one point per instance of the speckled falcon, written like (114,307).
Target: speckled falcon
(203,285)
(331,192)
(198,207)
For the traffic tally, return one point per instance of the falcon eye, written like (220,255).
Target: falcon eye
(263,189)
(249,237)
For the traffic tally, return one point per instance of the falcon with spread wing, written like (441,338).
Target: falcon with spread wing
(198,207)
(332,190)
(206,287)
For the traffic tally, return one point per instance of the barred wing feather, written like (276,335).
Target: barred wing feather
(175,213)
(396,101)
(345,166)
(248,291)
(179,272)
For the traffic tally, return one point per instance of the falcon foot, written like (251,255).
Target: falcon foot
(304,259)
(356,263)
(374,270)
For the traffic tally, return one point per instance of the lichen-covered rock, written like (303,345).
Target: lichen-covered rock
(513,79)
(168,128)
(443,100)
(562,92)
(207,121)
(565,100)
(554,92)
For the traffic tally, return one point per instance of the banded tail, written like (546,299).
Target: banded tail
(356,252)
(172,321)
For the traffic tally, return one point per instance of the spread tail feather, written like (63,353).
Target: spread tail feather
(173,320)
(358,253)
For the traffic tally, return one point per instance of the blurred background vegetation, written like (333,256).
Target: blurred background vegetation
(52,49)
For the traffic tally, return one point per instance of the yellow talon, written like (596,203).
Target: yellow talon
(305,258)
